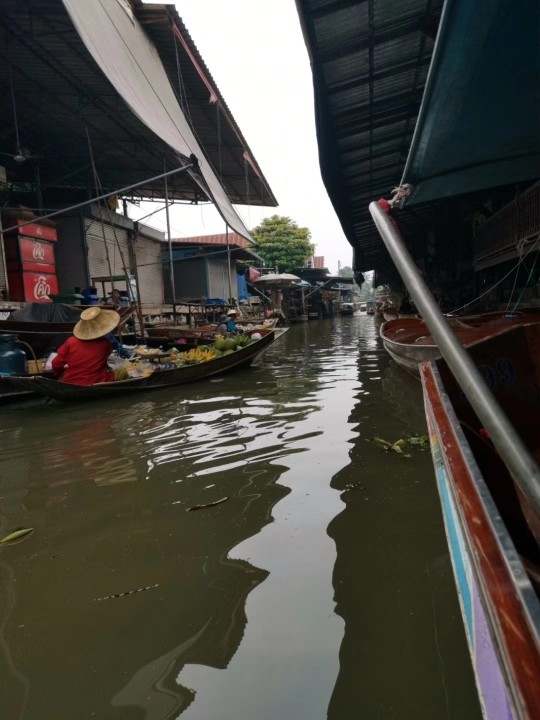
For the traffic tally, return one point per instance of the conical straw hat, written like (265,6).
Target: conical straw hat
(96,323)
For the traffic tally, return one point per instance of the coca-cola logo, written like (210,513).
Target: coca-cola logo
(38,252)
(41,288)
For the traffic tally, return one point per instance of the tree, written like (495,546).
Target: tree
(282,244)
(346,272)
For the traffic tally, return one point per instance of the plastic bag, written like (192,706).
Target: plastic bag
(48,362)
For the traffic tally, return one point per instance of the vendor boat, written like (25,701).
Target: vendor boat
(159,379)
(203,333)
(409,342)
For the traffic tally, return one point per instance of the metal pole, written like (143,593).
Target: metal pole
(171,265)
(121,191)
(229,262)
(505,438)
(3,259)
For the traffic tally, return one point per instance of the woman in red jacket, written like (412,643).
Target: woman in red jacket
(82,360)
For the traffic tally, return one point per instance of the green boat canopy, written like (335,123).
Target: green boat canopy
(479,122)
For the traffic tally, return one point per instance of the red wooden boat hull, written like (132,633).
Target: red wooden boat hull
(408,341)
(493,537)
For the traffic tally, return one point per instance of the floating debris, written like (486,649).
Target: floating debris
(398,446)
(129,592)
(17,536)
(421,440)
(208,505)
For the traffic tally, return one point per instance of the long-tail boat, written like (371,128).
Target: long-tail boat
(58,390)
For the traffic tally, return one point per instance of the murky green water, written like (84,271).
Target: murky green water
(321,586)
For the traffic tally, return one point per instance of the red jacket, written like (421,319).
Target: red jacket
(84,361)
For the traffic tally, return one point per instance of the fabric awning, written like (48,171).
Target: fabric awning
(479,124)
(129,60)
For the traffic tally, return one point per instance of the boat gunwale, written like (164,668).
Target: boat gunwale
(525,602)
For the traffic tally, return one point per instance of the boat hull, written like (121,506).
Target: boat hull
(409,357)
(501,612)
(160,379)
(408,342)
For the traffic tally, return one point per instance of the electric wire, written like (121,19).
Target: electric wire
(531,249)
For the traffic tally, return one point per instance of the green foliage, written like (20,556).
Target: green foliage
(282,244)
(346,272)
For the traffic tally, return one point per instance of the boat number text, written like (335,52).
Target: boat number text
(502,374)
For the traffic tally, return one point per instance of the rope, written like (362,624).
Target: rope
(99,190)
(181,88)
(246,177)
(498,281)
(527,282)
(520,255)
(218,122)
(400,193)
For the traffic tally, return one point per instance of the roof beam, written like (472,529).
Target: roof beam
(388,72)
(335,6)
(385,34)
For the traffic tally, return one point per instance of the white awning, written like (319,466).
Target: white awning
(130,61)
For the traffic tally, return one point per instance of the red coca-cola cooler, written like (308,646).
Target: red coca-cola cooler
(32,285)
(30,263)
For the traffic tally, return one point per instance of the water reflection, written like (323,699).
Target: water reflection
(403,653)
(107,488)
(123,605)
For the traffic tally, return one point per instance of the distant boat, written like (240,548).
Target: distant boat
(346,308)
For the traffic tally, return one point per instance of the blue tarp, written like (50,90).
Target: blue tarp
(241,284)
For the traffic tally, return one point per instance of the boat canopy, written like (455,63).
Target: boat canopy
(479,121)
(127,57)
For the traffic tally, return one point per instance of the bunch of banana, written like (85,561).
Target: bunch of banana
(197,355)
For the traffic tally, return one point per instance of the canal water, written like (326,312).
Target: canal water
(319,586)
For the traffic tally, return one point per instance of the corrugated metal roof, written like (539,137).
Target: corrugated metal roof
(219,239)
(370,60)
(242,248)
(59,90)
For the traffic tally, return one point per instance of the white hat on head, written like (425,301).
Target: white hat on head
(232,312)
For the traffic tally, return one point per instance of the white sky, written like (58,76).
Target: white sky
(256,54)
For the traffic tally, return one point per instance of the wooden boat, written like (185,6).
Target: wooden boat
(44,337)
(493,532)
(346,309)
(202,333)
(391,314)
(159,379)
(408,341)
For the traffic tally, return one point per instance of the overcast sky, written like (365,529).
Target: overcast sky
(256,54)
